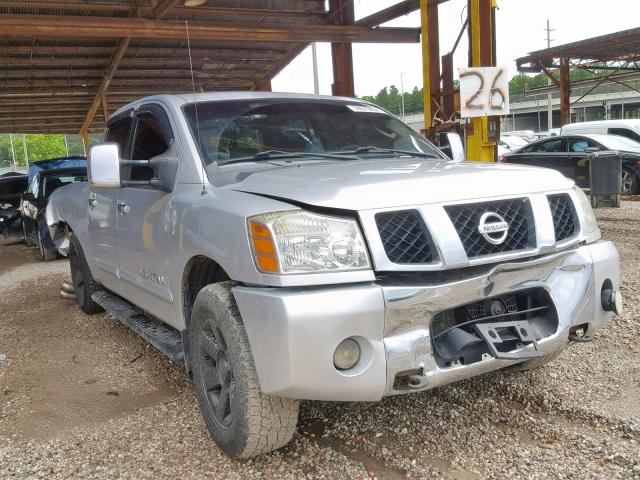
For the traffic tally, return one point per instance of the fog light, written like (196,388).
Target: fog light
(347,354)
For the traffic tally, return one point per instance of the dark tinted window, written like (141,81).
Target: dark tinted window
(579,145)
(52,182)
(150,141)
(553,145)
(625,132)
(118,132)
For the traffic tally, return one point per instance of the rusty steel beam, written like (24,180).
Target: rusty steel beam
(342,14)
(31,26)
(565,92)
(257,52)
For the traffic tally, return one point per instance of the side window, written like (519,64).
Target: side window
(550,146)
(625,132)
(118,132)
(579,145)
(151,139)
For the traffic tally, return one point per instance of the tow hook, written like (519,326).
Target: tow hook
(612,301)
(410,380)
(577,334)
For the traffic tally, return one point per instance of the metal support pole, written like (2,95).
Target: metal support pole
(481,141)
(314,56)
(549,97)
(401,95)
(430,59)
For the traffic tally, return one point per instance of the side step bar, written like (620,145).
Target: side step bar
(157,333)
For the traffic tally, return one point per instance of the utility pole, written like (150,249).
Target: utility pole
(401,95)
(13,151)
(549,108)
(314,54)
(24,146)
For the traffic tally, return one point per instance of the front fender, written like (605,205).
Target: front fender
(67,210)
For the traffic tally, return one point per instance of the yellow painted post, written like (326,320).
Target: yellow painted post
(480,147)
(85,141)
(426,78)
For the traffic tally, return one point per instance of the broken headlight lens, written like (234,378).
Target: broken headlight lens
(588,223)
(305,242)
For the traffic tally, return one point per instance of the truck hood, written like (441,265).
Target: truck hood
(393,182)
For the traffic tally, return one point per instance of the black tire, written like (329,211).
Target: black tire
(27,239)
(535,363)
(630,184)
(83,283)
(46,255)
(242,420)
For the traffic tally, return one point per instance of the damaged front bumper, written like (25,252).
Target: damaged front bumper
(294,332)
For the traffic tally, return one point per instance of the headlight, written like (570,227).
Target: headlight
(305,242)
(590,228)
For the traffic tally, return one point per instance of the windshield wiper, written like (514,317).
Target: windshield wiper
(372,149)
(280,155)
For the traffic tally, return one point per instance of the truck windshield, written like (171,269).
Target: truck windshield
(228,130)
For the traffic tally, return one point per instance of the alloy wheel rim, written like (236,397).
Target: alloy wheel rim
(627,181)
(217,377)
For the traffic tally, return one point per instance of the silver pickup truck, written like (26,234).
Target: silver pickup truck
(289,247)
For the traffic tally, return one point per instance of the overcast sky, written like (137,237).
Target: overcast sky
(520,26)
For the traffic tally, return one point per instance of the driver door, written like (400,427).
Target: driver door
(143,216)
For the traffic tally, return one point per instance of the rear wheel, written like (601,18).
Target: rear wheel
(629,182)
(242,420)
(83,283)
(46,255)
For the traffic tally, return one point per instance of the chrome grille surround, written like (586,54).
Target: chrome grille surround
(451,253)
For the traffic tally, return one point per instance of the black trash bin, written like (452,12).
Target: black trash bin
(605,172)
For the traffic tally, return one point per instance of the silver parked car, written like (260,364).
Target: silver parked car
(289,247)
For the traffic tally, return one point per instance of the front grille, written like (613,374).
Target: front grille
(405,237)
(565,221)
(516,212)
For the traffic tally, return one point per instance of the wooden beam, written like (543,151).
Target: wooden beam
(31,26)
(256,52)
(121,48)
(163,7)
(105,107)
(342,13)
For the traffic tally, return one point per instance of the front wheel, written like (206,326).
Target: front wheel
(630,185)
(242,420)
(84,284)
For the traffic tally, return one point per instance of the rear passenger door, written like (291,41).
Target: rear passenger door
(143,217)
(101,250)
(577,147)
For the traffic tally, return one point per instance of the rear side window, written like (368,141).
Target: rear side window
(625,132)
(554,145)
(118,132)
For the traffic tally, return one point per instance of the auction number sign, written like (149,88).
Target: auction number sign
(483,91)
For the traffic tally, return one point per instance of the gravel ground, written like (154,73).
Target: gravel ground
(83,397)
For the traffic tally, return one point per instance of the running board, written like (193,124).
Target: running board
(157,333)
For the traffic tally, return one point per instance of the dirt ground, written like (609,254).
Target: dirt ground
(83,397)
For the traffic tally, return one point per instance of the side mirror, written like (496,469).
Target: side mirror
(591,150)
(451,144)
(104,165)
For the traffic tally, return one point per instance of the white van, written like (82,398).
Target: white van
(629,128)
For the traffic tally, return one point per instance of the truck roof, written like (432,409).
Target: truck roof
(179,99)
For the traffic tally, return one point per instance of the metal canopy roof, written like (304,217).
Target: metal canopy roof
(66,64)
(615,51)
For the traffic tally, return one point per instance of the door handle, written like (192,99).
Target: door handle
(123,208)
